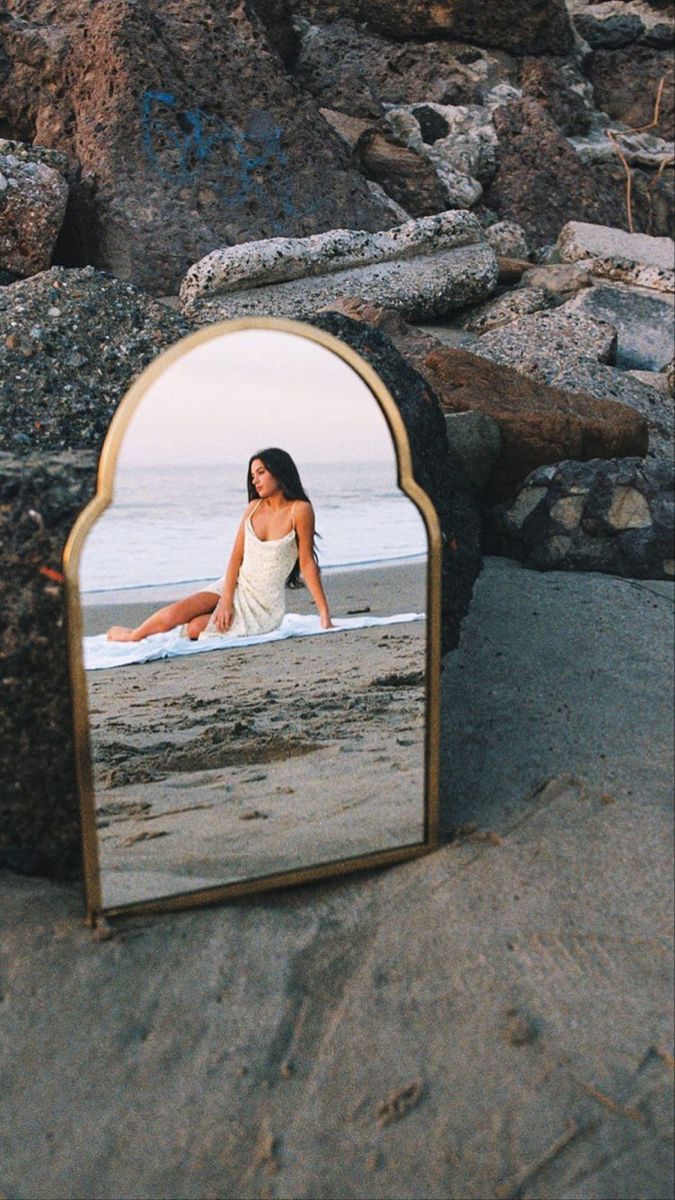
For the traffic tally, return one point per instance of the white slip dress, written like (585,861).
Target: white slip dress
(259,600)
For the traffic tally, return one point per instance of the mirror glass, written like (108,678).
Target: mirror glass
(239,727)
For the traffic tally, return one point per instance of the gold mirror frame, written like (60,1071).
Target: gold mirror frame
(95,908)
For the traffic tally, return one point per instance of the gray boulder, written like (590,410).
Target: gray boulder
(644,321)
(461,137)
(547,337)
(519,27)
(609,30)
(360,72)
(615,516)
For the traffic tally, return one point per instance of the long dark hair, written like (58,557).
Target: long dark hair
(280,464)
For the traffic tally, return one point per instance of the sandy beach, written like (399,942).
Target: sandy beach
(214,768)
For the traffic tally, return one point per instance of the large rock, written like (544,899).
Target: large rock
(615,517)
(520,26)
(421,268)
(71,342)
(187,130)
(612,254)
(538,424)
(475,440)
(541,182)
(435,468)
(626,81)
(358,72)
(33,200)
(40,498)
(643,321)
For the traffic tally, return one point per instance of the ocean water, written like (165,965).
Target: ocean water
(177,524)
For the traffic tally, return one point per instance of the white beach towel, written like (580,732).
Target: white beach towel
(100,653)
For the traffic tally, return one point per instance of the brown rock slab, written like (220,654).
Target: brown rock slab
(536,161)
(538,424)
(405,175)
(187,130)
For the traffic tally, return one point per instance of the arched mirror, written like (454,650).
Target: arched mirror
(253,600)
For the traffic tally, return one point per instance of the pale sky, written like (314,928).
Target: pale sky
(244,391)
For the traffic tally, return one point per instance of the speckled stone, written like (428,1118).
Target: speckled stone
(644,321)
(420,288)
(71,342)
(614,254)
(33,199)
(545,334)
(278,260)
(494,314)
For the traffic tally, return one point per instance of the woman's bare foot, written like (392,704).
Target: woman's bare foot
(119,633)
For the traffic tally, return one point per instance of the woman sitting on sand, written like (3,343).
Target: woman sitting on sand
(249,598)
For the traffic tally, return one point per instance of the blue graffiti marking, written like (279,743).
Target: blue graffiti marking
(179,143)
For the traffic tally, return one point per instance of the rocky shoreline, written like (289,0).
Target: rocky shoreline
(479,199)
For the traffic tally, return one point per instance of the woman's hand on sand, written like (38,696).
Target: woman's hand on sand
(223,615)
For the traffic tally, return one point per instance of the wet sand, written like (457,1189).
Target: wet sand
(243,763)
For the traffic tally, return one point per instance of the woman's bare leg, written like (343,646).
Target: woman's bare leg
(179,613)
(197,625)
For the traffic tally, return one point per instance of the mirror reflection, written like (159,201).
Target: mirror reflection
(255,638)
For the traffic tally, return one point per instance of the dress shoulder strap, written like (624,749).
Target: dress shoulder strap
(293,518)
(254,510)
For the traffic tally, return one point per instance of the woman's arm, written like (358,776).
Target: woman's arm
(224,610)
(304,528)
